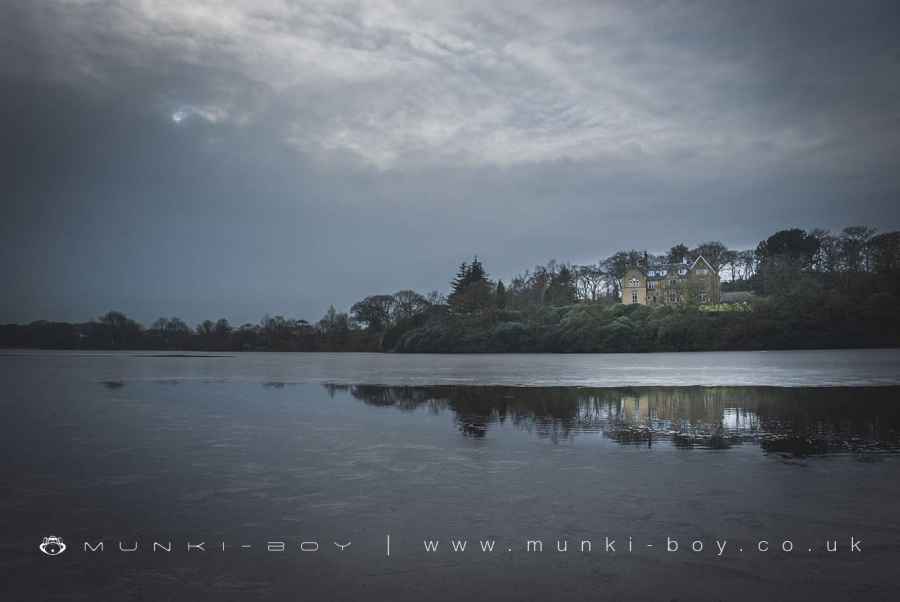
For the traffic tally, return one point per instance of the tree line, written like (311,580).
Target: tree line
(813,288)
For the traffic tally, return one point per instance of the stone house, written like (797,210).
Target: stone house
(693,282)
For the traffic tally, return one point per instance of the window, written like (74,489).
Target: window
(634,297)
(635,282)
(702,271)
(682,271)
(651,285)
(673,297)
(703,297)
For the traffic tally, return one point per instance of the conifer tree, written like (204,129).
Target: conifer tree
(471,288)
(459,282)
(501,295)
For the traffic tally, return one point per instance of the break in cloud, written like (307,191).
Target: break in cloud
(232,158)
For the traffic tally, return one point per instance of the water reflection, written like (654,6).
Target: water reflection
(797,421)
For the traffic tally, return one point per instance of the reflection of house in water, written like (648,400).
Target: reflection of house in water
(680,407)
(635,409)
(715,417)
(740,420)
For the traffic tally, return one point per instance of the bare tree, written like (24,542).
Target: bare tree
(854,245)
(590,281)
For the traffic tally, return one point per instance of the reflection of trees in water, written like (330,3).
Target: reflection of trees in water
(826,418)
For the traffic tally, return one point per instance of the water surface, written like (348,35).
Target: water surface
(259,447)
(731,368)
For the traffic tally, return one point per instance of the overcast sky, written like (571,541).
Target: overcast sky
(209,159)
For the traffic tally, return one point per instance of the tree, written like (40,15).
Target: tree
(374,312)
(118,330)
(562,287)
(794,248)
(590,281)
(205,328)
(459,281)
(471,289)
(677,253)
(616,266)
(730,260)
(408,303)
(828,255)
(714,252)
(222,329)
(334,323)
(885,252)
(854,245)
(172,333)
(500,295)
(747,261)
(436,298)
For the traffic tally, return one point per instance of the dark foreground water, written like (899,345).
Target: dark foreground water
(371,491)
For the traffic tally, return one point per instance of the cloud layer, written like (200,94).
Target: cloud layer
(525,129)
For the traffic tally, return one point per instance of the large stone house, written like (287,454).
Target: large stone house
(671,284)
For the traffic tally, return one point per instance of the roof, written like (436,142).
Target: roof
(698,260)
(670,267)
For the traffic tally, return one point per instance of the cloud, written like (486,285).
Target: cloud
(248,156)
(482,83)
(209,114)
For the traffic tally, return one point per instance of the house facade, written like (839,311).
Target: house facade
(683,283)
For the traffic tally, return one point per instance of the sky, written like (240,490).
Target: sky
(212,159)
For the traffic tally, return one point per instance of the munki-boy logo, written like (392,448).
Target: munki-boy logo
(52,546)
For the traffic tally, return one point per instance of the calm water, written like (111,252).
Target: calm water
(309,449)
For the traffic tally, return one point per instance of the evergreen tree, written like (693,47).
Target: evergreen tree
(501,295)
(562,289)
(459,282)
(471,288)
(476,272)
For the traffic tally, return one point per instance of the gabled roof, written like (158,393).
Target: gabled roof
(703,259)
(670,267)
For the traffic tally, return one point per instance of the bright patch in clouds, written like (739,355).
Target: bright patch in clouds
(208,114)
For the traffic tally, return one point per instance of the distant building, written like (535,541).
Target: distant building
(671,284)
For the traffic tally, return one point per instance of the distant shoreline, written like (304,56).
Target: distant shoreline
(215,354)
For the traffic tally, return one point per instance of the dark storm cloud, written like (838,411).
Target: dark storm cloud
(205,160)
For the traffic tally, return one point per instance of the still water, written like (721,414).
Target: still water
(371,470)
